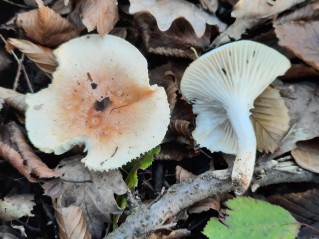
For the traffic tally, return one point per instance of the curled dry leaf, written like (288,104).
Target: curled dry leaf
(183,174)
(303,205)
(14,99)
(41,56)
(99,14)
(175,234)
(20,155)
(270,120)
(46,27)
(166,11)
(177,41)
(249,13)
(92,191)
(71,222)
(293,32)
(302,101)
(306,154)
(13,207)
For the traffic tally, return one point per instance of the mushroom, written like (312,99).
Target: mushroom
(100,97)
(222,86)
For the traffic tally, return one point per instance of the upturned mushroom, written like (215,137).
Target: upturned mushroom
(100,97)
(222,86)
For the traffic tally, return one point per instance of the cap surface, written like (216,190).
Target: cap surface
(233,74)
(100,96)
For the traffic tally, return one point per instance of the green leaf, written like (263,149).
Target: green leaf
(142,163)
(249,218)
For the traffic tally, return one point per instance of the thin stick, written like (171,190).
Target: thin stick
(16,79)
(22,66)
(15,4)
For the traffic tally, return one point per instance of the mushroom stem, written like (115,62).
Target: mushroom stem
(245,160)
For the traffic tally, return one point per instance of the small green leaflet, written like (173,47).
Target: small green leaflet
(249,218)
(142,163)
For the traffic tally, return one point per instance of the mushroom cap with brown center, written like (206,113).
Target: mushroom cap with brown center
(100,96)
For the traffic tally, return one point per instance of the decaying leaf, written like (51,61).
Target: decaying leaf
(92,191)
(183,174)
(71,222)
(46,27)
(20,155)
(303,205)
(206,204)
(15,206)
(166,11)
(14,99)
(306,154)
(270,120)
(249,13)
(99,14)
(177,41)
(175,234)
(42,56)
(302,101)
(300,36)
(300,71)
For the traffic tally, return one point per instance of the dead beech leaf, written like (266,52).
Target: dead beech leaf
(303,205)
(306,154)
(183,174)
(19,154)
(206,204)
(14,99)
(166,11)
(92,191)
(46,27)
(42,56)
(302,101)
(300,71)
(175,234)
(99,14)
(177,41)
(250,13)
(71,223)
(270,120)
(300,33)
(13,207)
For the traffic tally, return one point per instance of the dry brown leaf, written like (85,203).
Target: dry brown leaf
(305,42)
(166,11)
(19,154)
(46,27)
(71,223)
(206,204)
(175,151)
(99,14)
(249,13)
(92,191)
(13,207)
(302,101)
(270,120)
(306,154)
(176,41)
(14,99)
(175,234)
(42,56)
(300,71)
(182,128)
(303,205)
(183,174)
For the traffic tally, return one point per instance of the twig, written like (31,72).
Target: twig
(22,66)
(15,4)
(180,196)
(16,79)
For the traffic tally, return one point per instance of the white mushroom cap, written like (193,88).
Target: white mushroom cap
(222,86)
(100,96)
